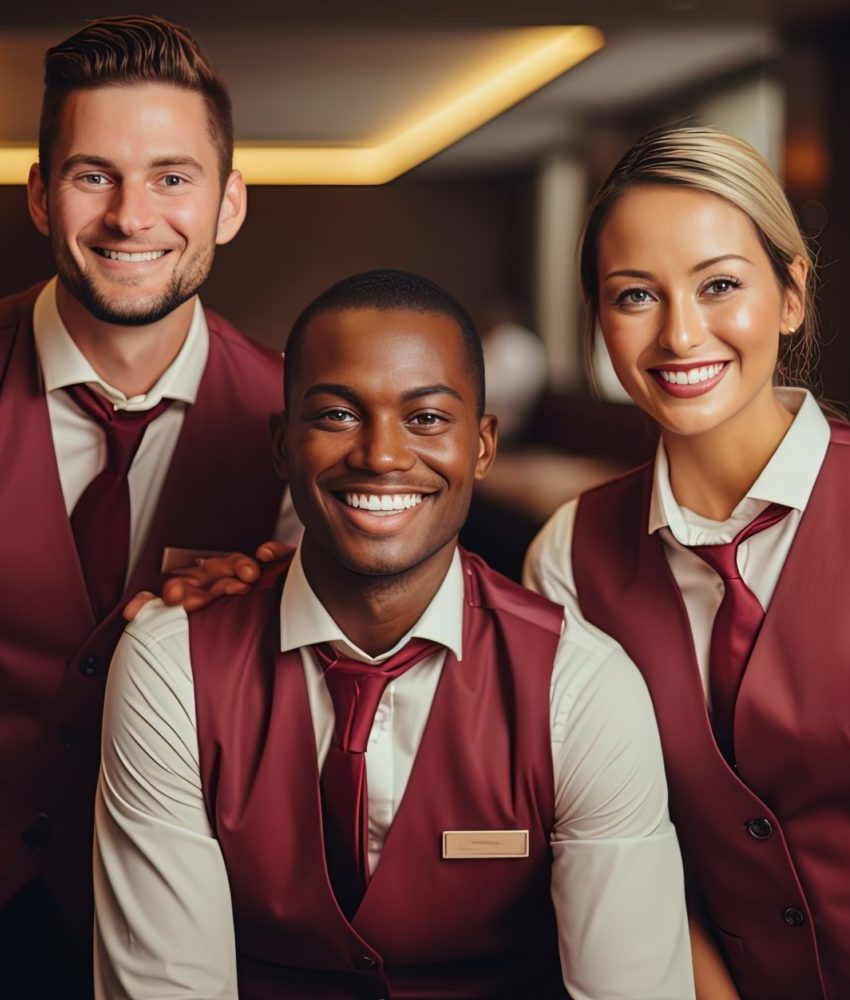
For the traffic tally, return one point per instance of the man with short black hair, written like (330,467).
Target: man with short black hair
(121,400)
(385,771)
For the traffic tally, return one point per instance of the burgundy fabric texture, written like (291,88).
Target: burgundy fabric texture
(355,689)
(54,654)
(427,927)
(735,627)
(767,843)
(100,519)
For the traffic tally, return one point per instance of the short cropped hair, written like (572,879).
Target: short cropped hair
(116,51)
(387,289)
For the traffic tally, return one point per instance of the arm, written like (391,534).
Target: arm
(617,883)
(548,566)
(164,926)
(712,977)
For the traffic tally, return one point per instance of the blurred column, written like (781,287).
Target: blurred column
(560,205)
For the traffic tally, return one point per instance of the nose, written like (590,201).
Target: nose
(682,327)
(382,447)
(131,209)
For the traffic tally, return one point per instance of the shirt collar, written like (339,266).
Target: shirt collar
(304,621)
(788,478)
(63,363)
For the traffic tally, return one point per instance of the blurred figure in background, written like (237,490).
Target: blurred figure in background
(515,361)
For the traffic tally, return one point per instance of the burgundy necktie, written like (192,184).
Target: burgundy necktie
(355,689)
(736,627)
(101,517)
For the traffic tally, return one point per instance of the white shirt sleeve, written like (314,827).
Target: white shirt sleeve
(164,924)
(617,882)
(548,567)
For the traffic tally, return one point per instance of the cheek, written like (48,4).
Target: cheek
(751,326)
(626,342)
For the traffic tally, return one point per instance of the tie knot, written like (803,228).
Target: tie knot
(723,558)
(124,429)
(356,687)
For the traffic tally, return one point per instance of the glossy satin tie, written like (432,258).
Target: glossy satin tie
(355,689)
(736,627)
(101,517)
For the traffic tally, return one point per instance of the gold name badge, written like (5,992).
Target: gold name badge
(174,558)
(459,844)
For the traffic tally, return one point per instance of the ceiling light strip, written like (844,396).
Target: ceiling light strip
(536,57)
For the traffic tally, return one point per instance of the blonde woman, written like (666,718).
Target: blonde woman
(723,566)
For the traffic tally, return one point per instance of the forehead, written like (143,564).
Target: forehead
(154,117)
(385,350)
(685,224)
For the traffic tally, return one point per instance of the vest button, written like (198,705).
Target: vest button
(760,828)
(794,917)
(37,834)
(90,665)
(67,737)
(365,962)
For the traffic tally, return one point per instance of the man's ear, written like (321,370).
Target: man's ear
(37,200)
(277,423)
(234,206)
(488,434)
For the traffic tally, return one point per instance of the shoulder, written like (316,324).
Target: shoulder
(235,622)
(150,668)
(14,307)
(226,334)
(489,589)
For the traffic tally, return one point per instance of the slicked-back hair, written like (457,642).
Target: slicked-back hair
(386,289)
(116,51)
(705,159)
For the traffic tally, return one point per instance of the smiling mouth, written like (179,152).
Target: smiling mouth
(691,376)
(130,258)
(383,505)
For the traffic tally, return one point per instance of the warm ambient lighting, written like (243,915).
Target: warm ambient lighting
(535,57)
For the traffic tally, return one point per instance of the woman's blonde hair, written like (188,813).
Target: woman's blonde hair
(709,160)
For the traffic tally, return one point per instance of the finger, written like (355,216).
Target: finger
(135,604)
(269,551)
(174,591)
(195,598)
(206,571)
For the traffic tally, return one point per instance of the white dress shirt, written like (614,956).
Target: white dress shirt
(788,478)
(164,924)
(80,443)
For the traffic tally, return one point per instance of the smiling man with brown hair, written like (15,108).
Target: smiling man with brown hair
(119,397)
(385,771)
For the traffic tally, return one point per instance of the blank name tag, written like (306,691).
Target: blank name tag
(174,558)
(485,844)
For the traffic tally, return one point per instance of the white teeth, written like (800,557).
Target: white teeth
(386,503)
(132,258)
(693,376)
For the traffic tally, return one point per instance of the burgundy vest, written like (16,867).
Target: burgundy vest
(53,655)
(427,927)
(777,890)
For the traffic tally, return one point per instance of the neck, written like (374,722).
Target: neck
(374,612)
(711,473)
(130,358)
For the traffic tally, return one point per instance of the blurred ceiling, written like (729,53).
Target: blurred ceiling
(335,73)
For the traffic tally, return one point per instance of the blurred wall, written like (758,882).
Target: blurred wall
(471,235)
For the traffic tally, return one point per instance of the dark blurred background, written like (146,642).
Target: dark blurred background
(494,218)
